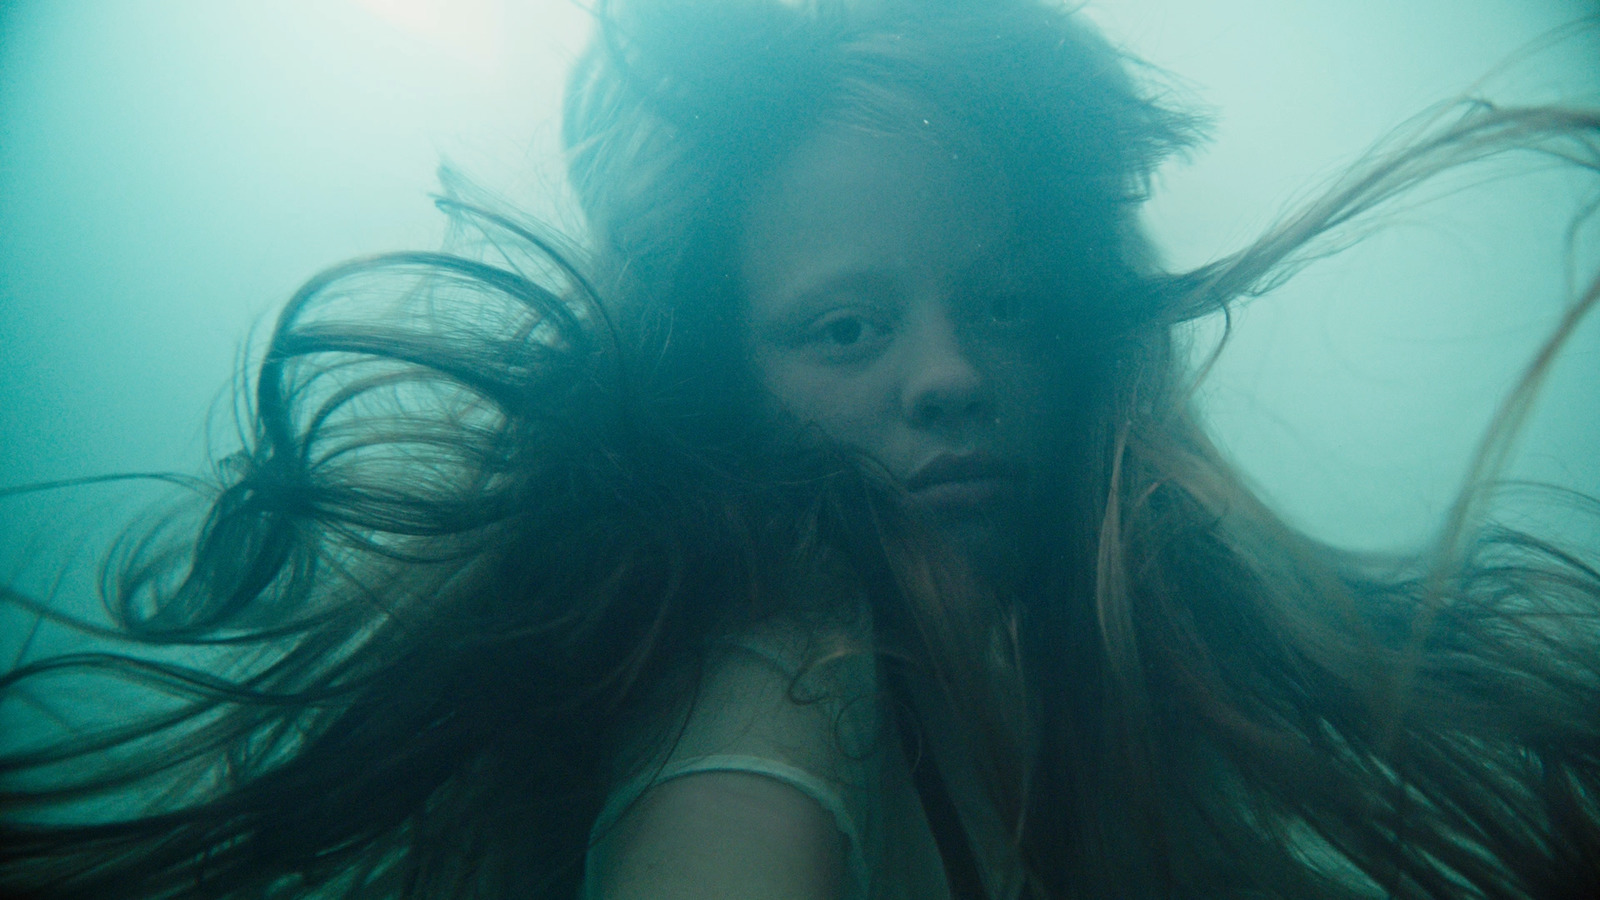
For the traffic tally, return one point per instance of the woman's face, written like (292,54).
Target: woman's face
(892,304)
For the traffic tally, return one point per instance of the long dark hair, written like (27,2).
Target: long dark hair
(491,501)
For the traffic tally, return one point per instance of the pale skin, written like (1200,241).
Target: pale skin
(893,305)
(890,305)
(724,836)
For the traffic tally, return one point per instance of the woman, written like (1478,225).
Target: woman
(833,524)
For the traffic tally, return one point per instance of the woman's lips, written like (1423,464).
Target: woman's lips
(963,483)
(963,496)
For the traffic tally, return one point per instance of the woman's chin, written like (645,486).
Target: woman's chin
(989,546)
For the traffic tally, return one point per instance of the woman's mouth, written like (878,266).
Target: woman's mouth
(964,484)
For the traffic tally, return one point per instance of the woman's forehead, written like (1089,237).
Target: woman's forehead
(849,200)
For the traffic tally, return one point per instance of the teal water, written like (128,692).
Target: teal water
(170,172)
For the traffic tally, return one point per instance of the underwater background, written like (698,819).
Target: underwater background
(171,170)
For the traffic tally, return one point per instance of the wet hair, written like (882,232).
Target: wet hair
(679,111)
(490,502)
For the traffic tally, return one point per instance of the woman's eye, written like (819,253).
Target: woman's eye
(845,331)
(846,335)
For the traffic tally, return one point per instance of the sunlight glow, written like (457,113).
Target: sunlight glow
(472,31)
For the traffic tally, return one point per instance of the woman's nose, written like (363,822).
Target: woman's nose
(944,387)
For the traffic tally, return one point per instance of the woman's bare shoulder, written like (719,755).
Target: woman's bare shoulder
(722,834)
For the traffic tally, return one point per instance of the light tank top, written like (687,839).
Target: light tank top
(804,707)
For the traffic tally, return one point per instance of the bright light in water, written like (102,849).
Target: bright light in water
(473,31)
(169,172)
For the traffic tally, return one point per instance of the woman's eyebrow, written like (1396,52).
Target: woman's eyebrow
(847,281)
(1003,266)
